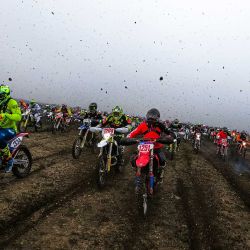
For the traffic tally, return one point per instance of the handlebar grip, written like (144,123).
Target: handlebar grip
(165,140)
(127,142)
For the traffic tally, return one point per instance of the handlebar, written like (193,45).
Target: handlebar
(119,130)
(132,141)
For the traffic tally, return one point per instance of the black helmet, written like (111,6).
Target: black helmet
(176,121)
(92,106)
(225,129)
(153,114)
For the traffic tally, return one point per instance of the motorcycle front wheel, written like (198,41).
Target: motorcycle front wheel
(22,162)
(141,195)
(101,174)
(76,148)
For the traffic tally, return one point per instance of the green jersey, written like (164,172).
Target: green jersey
(12,114)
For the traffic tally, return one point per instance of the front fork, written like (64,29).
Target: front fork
(151,173)
(58,123)
(109,156)
(84,137)
(26,122)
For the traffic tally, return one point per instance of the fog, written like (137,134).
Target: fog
(190,59)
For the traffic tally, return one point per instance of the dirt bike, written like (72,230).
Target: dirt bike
(174,147)
(147,166)
(222,149)
(85,139)
(242,149)
(186,135)
(21,155)
(110,153)
(60,123)
(28,120)
(197,143)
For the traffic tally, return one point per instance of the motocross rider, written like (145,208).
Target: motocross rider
(196,129)
(9,116)
(222,134)
(35,111)
(93,114)
(153,129)
(175,126)
(65,111)
(24,106)
(117,119)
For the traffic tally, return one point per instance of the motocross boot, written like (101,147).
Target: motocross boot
(161,173)
(7,159)
(120,160)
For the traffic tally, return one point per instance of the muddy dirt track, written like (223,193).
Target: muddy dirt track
(202,204)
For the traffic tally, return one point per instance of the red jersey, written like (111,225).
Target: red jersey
(153,132)
(222,135)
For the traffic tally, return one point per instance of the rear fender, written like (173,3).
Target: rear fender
(16,141)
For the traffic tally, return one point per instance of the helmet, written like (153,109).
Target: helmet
(176,121)
(22,102)
(153,115)
(117,111)
(224,129)
(32,102)
(92,107)
(4,93)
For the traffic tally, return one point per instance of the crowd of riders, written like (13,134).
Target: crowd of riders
(151,126)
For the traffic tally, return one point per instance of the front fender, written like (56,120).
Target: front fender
(102,144)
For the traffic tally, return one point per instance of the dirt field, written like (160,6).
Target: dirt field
(202,204)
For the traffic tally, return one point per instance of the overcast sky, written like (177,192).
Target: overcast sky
(114,52)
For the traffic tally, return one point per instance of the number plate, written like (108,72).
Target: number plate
(109,131)
(16,142)
(144,147)
(198,136)
(87,120)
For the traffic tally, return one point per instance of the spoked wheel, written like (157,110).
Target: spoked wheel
(244,152)
(22,162)
(94,148)
(53,128)
(224,154)
(76,148)
(101,175)
(141,195)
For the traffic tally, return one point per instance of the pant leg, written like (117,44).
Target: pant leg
(6,134)
(37,117)
(162,157)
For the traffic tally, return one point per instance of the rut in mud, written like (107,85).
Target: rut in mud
(60,206)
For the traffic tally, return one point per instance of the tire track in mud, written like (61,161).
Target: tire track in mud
(242,187)
(27,222)
(198,213)
(186,213)
(216,218)
(39,163)
(24,203)
(108,219)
